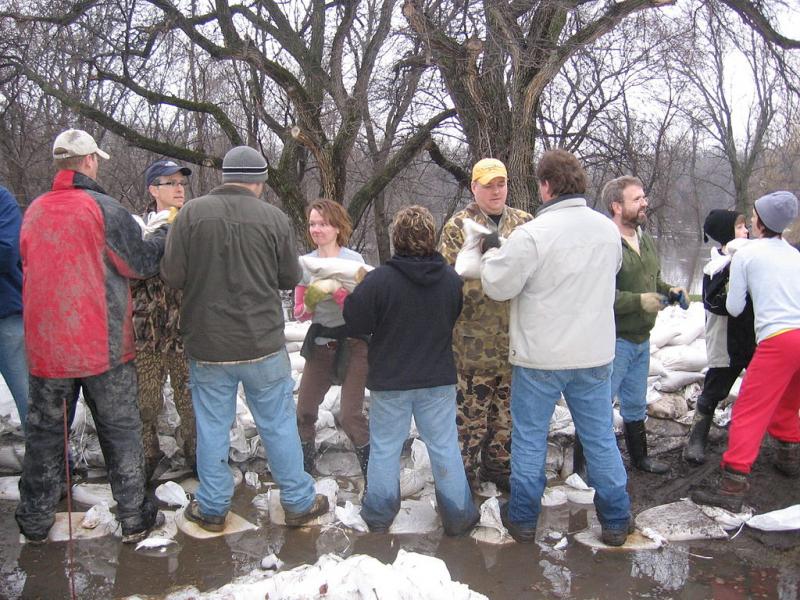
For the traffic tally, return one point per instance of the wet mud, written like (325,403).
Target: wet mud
(752,564)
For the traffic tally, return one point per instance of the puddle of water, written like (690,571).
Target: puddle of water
(105,568)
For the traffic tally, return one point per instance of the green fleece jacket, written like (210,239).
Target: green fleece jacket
(639,274)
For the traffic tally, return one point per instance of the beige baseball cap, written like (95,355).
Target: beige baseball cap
(76,142)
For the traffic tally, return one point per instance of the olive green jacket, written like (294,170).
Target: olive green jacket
(639,274)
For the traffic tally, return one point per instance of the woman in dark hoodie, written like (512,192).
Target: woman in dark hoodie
(409,306)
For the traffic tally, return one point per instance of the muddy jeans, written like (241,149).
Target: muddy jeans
(111,397)
(152,369)
(317,380)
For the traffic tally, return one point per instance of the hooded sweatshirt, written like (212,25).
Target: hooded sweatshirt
(409,306)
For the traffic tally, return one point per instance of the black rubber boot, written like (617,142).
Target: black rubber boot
(362,453)
(787,458)
(578,460)
(636,440)
(728,493)
(695,450)
(309,456)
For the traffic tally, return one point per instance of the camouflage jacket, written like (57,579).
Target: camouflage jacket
(480,337)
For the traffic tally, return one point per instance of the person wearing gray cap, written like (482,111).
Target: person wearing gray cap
(79,250)
(767,268)
(159,348)
(231,252)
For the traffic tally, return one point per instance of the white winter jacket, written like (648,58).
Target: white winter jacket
(559,271)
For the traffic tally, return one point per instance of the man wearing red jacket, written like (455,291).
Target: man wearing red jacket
(79,249)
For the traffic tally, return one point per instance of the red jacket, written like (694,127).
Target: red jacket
(79,248)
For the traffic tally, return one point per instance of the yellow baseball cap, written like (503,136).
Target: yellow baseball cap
(487,169)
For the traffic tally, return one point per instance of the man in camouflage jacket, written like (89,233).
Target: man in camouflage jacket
(480,337)
(159,349)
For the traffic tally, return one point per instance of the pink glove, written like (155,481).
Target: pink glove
(299,304)
(339,296)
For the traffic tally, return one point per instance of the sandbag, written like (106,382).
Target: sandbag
(785,519)
(677,380)
(347,272)
(680,521)
(468,259)
(683,358)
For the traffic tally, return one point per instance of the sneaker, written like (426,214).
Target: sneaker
(214,523)
(521,535)
(137,536)
(616,537)
(319,508)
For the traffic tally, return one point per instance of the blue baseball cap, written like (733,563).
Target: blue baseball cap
(162,168)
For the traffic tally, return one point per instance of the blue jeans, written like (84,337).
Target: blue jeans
(434,411)
(268,389)
(629,379)
(534,395)
(13,365)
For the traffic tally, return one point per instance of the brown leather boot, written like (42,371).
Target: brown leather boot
(787,458)
(728,493)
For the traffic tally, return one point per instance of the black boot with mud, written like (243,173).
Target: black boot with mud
(636,440)
(695,450)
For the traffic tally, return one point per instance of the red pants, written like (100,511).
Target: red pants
(768,401)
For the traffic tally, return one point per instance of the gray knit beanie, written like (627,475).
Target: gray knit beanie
(244,164)
(777,210)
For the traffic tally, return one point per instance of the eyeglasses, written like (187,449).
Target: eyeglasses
(172,184)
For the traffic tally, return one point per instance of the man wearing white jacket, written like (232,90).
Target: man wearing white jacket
(559,272)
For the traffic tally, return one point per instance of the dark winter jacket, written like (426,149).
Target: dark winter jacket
(231,252)
(10,264)
(79,249)
(409,306)
(730,340)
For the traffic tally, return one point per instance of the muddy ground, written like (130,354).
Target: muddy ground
(750,565)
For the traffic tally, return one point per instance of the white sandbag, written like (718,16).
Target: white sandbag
(168,445)
(271,563)
(99,516)
(298,362)
(9,488)
(490,528)
(293,346)
(327,486)
(324,419)
(683,358)
(419,457)
(172,494)
(577,491)
(785,519)
(692,329)
(11,457)
(656,367)
(412,481)
(680,521)
(93,493)
(666,405)
(554,496)
(350,516)
(662,333)
(561,420)
(332,399)
(295,331)
(674,381)
(347,272)
(416,516)
(468,259)
(252,480)
(333,462)
(727,519)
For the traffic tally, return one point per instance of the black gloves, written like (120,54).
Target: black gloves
(490,241)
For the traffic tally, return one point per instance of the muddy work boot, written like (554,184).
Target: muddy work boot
(319,508)
(362,454)
(695,450)
(636,440)
(137,535)
(215,523)
(728,493)
(787,458)
(521,535)
(613,536)
(309,456)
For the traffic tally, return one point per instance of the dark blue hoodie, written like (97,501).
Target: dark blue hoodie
(409,306)
(10,265)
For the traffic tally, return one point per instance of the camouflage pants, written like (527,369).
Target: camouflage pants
(152,369)
(483,416)
(111,398)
